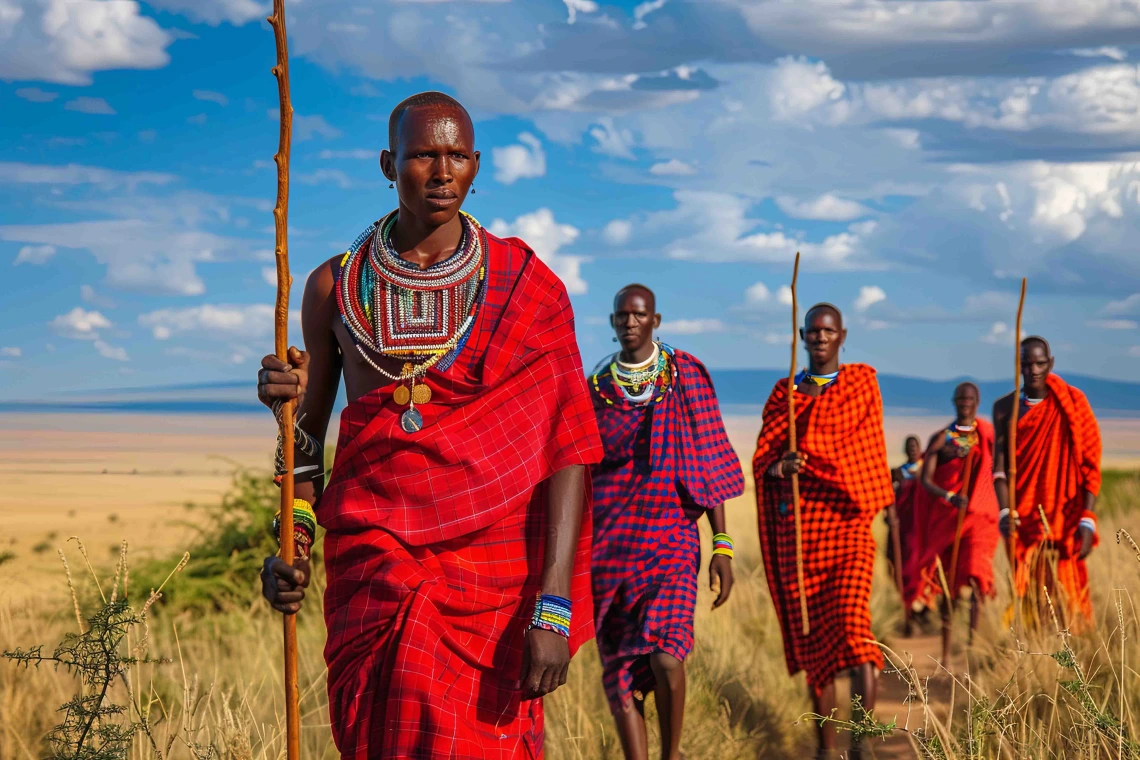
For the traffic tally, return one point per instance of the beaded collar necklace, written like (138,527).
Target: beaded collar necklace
(821,380)
(639,384)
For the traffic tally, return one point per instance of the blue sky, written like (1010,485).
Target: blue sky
(922,155)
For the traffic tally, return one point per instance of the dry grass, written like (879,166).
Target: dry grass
(219,690)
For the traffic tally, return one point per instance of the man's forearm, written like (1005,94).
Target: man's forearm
(1090,501)
(716,519)
(565,497)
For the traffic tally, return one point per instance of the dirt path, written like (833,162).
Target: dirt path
(924,651)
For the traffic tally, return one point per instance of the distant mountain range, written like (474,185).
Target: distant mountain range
(741,391)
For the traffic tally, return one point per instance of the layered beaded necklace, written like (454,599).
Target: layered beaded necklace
(395,309)
(962,437)
(821,380)
(640,382)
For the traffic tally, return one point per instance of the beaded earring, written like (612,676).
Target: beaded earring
(473,190)
(391,185)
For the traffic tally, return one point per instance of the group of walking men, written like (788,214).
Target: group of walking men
(492,507)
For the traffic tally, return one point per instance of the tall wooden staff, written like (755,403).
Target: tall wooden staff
(1011,469)
(792,447)
(281,342)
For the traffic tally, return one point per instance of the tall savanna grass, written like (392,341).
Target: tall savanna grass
(208,682)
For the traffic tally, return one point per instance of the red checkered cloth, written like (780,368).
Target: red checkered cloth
(435,539)
(1058,461)
(665,463)
(845,483)
(933,523)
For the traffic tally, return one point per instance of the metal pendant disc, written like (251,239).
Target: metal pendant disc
(412,421)
(421,394)
(401,395)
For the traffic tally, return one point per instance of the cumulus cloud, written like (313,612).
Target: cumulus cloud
(76,174)
(827,207)
(610,140)
(325,177)
(869,295)
(674,167)
(107,351)
(216,12)
(34,254)
(692,326)
(1129,305)
(80,324)
(757,293)
(248,321)
(524,160)
(999,335)
(308,127)
(617,231)
(574,7)
(91,105)
(546,237)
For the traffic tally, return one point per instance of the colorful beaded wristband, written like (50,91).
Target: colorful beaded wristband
(723,545)
(304,527)
(551,613)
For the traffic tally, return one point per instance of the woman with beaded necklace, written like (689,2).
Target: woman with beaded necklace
(667,462)
(456,545)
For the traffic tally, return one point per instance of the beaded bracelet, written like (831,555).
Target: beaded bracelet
(723,545)
(304,527)
(551,613)
(1088,520)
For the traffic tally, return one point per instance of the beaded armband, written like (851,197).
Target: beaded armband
(722,545)
(1088,520)
(304,527)
(551,613)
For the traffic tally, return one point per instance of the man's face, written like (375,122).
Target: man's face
(434,164)
(823,334)
(966,402)
(1036,364)
(913,450)
(633,320)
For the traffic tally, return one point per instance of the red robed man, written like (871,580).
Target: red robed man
(844,482)
(1053,527)
(956,483)
(457,545)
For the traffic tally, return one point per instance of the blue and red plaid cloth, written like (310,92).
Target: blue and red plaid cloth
(665,463)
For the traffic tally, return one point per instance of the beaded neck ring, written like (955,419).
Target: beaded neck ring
(821,380)
(642,383)
(422,316)
(962,437)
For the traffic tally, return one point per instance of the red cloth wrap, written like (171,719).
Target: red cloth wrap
(435,539)
(1058,461)
(933,522)
(845,483)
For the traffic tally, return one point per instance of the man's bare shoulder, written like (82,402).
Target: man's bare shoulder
(1003,407)
(322,280)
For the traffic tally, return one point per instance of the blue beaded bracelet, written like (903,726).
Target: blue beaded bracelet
(551,613)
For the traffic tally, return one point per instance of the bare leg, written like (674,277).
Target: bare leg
(865,686)
(825,705)
(670,694)
(947,622)
(631,728)
(975,608)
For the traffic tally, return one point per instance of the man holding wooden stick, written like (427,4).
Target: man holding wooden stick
(458,533)
(1058,451)
(954,516)
(844,481)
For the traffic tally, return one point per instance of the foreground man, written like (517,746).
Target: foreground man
(457,549)
(844,482)
(957,476)
(1053,526)
(667,462)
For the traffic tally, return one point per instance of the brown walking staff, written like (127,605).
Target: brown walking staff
(792,447)
(1011,468)
(281,343)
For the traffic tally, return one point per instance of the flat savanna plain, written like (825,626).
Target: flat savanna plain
(107,478)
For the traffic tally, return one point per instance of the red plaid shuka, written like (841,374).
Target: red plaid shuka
(665,463)
(934,522)
(435,539)
(1058,461)
(845,483)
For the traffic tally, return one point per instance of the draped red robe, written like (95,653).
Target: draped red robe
(434,548)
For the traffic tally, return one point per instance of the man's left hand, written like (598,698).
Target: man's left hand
(1087,536)
(720,578)
(545,662)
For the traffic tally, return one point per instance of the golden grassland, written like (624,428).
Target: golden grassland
(219,691)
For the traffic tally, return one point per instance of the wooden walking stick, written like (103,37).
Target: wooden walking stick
(1011,468)
(792,447)
(281,343)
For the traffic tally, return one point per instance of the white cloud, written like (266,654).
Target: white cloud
(520,161)
(269,274)
(999,334)
(827,207)
(798,86)
(308,127)
(757,293)
(1112,324)
(692,326)
(1113,53)
(215,12)
(249,321)
(34,254)
(617,232)
(546,237)
(610,140)
(574,7)
(14,352)
(1129,305)
(86,104)
(784,295)
(211,97)
(36,95)
(107,351)
(88,295)
(357,154)
(197,119)
(643,10)
(76,174)
(673,168)
(80,324)
(325,177)
(869,295)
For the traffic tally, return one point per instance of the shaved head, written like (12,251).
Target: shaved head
(646,293)
(1037,340)
(422,100)
(967,384)
(824,306)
